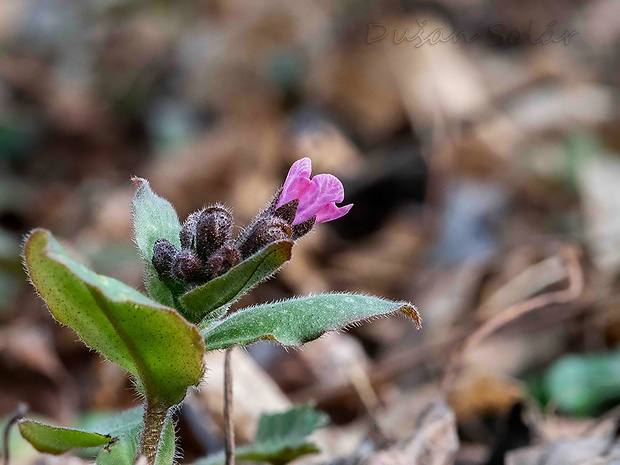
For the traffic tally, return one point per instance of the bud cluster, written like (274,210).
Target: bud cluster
(206,249)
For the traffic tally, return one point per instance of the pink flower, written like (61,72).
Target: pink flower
(317,196)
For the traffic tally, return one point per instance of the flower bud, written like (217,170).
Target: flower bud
(188,267)
(223,260)
(164,254)
(213,229)
(187,235)
(266,230)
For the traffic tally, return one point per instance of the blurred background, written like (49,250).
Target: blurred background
(478,139)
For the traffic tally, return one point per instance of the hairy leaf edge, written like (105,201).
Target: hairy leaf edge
(198,339)
(405,309)
(25,421)
(239,294)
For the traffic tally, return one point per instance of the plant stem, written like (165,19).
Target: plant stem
(154,418)
(229,430)
(21,410)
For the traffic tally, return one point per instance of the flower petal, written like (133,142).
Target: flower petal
(325,188)
(330,187)
(331,212)
(297,181)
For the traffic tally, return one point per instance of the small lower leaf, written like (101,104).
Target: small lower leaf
(58,440)
(127,427)
(204,301)
(280,438)
(583,384)
(293,425)
(276,454)
(123,452)
(297,321)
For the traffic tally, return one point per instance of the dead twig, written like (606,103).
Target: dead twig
(572,292)
(382,372)
(20,411)
(229,430)
(361,383)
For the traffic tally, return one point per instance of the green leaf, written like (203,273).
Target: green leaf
(122,452)
(154,343)
(127,427)
(297,321)
(20,450)
(276,454)
(163,292)
(293,425)
(154,218)
(213,298)
(280,438)
(582,384)
(58,440)
(166,451)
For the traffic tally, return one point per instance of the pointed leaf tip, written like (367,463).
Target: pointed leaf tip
(137,181)
(57,440)
(153,218)
(412,312)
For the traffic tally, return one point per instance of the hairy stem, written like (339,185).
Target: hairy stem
(154,418)
(229,430)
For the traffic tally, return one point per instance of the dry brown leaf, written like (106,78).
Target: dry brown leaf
(573,452)
(434,442)
(356,82)
(525,285)
(482,395)
(437,80)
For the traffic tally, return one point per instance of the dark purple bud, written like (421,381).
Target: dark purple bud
(304,228)
(188,231)
(213,229)
(188,267)
(287,211)
(164,254)
(223,260)
(266,230)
